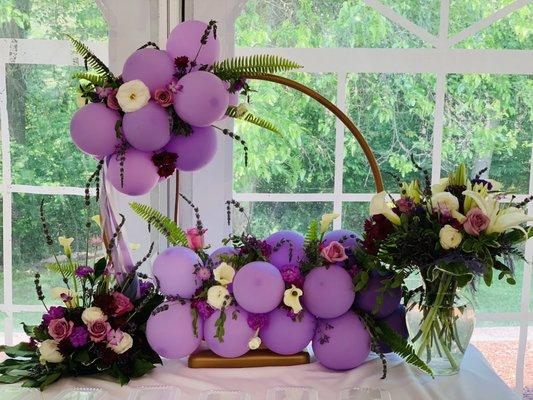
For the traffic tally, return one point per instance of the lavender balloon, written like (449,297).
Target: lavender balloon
(202,100)
(175,270)
(140,173)
(367,298)
(194,151)
(328,292)
(341,343)
(347,238)
(214,258)
(176,323)
(147,129)
(285,335)
(237,333)
(395,321)
(93,129)
(184,40)
(258,287)
(288,248)
(154,67)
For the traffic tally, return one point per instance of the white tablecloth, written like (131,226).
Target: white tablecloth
(475,381)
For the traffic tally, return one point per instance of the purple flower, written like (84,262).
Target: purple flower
(53,313)
(238,85)
(290,273)
(266,249)
(83,270)
(103,92)
(229,286)
(145,287)
(257,321)
(79,336)
(204,309)
(204,273)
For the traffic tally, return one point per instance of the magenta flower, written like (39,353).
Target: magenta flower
(204,273)
(53,313)
(290,273)
(79,336)
(204,309)
(83,271)
(122,304)
(257,321)
(195,238)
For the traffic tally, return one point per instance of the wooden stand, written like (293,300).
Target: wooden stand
(254,358)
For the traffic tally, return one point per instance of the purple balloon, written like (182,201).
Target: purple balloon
(366,299)
(328,292)
(147,129)
(202,100)
(258,287)
(140,173)
(154,67)
(175,270)
(237,333)
(92,128)
(395,321)
(194,151)
(285,335)
(290,252)
(184,40)
(347,238)
(341,343)
(214,258)
(176,323)
(233,99)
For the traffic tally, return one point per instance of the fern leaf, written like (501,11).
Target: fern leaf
(312,233)
(162,223)
(249,117)
(66,269)
(95,79)
(255,64)
(93,61)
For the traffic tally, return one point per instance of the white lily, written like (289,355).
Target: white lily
(379,205)
(326,221)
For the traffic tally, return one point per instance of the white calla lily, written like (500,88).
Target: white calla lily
(379,205)
(291,298)
(326,221)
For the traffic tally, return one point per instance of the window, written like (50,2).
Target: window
(448,81)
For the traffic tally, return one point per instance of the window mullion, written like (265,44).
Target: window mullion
(339,150)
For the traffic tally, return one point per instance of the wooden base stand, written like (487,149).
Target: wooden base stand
(254,358)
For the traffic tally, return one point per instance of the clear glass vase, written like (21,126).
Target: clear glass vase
(440,326)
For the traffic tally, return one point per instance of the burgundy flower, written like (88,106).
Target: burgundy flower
(112,101)
(163,97)
(181,62)
(145,287)
(377,228)
(105,302)
(165,163)
(60,329)
(257,321)
(265,248)
(290,273)
(83,271)
(123,304)
(98,330)
(79,336)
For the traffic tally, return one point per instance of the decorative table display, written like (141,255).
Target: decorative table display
(337,290)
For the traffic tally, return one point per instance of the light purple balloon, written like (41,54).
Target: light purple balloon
(237,333)
(202,100)
(92,129)
(366,299)
(347,238)
(341,343)
(214,257)
(174,268)
(154,67)
(285,335)
(184,40)
(328,292)
(290,252)
(395,321)
(194,151)
(147,129)
(258,287)
(140,173)
(170,332)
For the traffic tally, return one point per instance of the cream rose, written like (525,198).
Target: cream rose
(49,352)
(444,200)
(449,237)
(217,296)
(224,273)
(133,95)
(124,345)
(92,314)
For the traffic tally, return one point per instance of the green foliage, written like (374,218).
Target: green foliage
(249,117)
(91,59)
(95,79)
(162,223)
(66,268)
(219,324)
(254,64)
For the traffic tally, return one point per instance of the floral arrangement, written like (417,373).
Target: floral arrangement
(160,114)
(451,234)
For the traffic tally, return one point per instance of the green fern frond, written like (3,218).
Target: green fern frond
(249,117)
(312,233)
(92,61)
(162,223)
(95,79)
(255,64)
(66,269)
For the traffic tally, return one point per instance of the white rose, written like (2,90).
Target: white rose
(326,221)
(125,344)
(378,205)
(444,200)
(224,274)
(449,237)
(291,298)
(254,343)
(217,296)
(49,352)
(92,314)
(133,95)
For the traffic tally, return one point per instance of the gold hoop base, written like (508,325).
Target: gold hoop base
(254,358)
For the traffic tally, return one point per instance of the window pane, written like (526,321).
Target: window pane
(354,215)
(394,112)
(318,23)
(269,217)
(41,101)
(488,125)
(302,158)
(66,216)
(29,318)
(43,19)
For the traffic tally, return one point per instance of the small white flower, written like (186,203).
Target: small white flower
(379,205)
(291,298)
(125,344)
(92,314)
(49,352)
(449,237)
(254,343)
(133,95)
(224,273)
(241,110)
(218,296)
(326,221)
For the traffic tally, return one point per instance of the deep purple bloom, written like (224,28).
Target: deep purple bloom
(204,309)
(83,271)
(290,273)
(266,249)
(53,313)
(229,286)
(238,85)
(79,336)
(257,321)
(145,287)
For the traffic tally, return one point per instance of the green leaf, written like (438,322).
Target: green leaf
(10,379)
(312,233)
(66,269)
(249,117)
(219,324)
(93,61)
(50,378)
(487,275)
(99,267)
(19,350)
(162,223)
(95,79)
(141,367)
(255,64)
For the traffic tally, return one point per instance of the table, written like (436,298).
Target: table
(475,381)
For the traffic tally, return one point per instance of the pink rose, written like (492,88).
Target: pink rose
(114,337)
(60,328)
(476,221)
(334,252)
(98,330)
(112,101)
(195,238)
(163,97)
(122,304)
